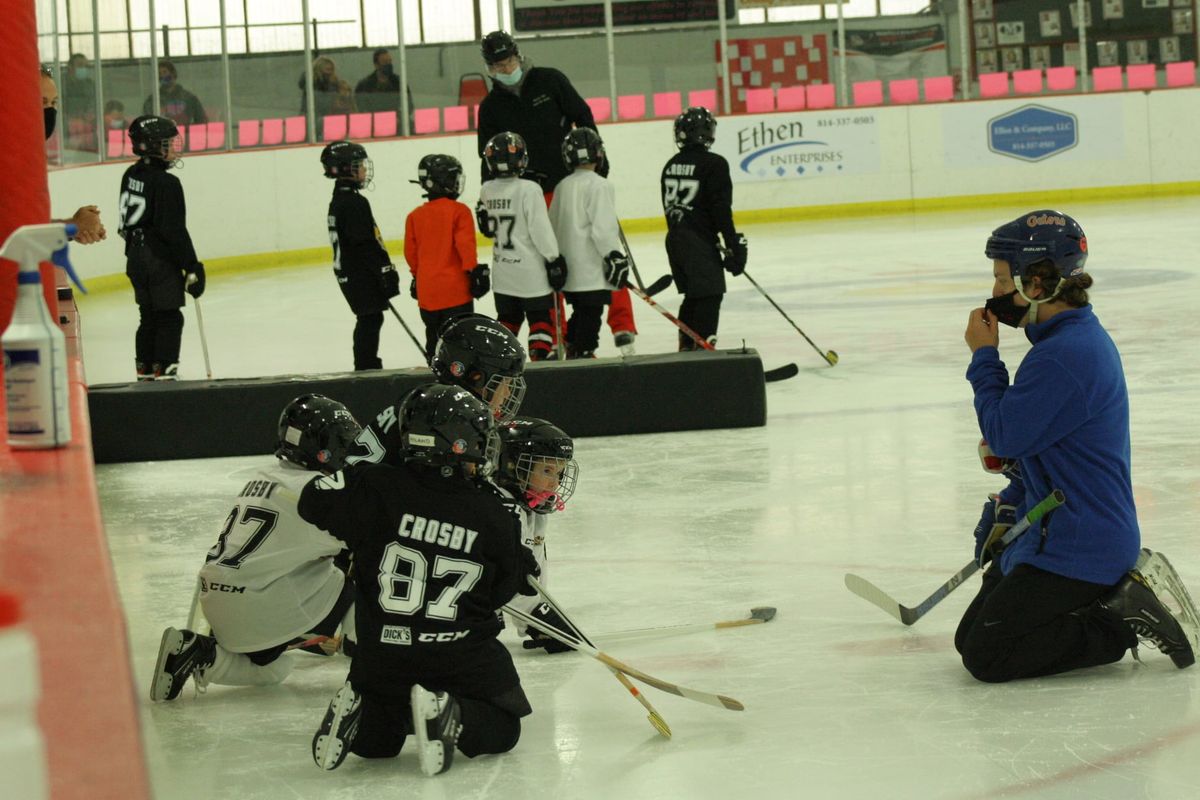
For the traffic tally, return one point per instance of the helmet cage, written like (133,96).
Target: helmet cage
(543,502)
(503,394)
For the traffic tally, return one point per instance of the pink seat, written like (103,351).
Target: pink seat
(939,89)
(868,93)
(272,131)
(385,123)
(667,104)
(295,129)
(456,118)
(993,84)
(790,98)
(1060,79)
(1141,76)
(360,126)
(333,127)
(704,98)
(116,143)
(631,106)
(197,137)
(904,91)
(426,120)
(1027,81)
(247,133)
(820,95)
(601,108)
(1107,79)
(1181,73)
(216,135)
(760,100)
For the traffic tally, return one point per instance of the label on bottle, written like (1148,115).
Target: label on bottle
(21,368)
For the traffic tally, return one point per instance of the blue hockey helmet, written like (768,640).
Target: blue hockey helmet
(1040,236)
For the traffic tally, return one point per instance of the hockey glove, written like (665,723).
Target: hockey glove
(412,289)
(556,273)
(527,565)
(994,522)
(537,639)
(616,269)
(481,280)
(195,280)
(737,255)
(487,225)
(998,465)
(389,281)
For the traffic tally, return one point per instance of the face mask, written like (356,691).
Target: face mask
(1006,310)
(49,117)
(166,81)
(117,124)
(510,79)
(387,70)
(83,73)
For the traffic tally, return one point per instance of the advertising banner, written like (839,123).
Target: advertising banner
(556,15)
(918,52)
(799,146)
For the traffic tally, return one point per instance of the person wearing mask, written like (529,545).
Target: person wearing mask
(87,219)
(380,91)
(331,94)
(79,104)
(175,102)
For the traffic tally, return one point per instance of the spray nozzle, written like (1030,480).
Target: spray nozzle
(31,244)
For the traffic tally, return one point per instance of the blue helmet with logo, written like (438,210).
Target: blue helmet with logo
(1040,236)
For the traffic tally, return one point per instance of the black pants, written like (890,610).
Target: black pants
(366,341)
(159,334)
(513,311)
(158,292)
(701,314)
(435,319)
(1032,622)
(583,328)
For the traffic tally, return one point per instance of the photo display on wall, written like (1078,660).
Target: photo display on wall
(1008,35)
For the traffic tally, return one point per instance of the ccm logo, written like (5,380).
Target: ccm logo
(449,636)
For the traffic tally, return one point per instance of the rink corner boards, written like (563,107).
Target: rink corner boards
(603,397)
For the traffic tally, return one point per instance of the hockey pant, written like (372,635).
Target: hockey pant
(435,319)
(583,328)
(366,341)
(484,682)
(158,292)
(512,312)
(1031,622)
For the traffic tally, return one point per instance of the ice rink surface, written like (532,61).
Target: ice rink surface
(867,467)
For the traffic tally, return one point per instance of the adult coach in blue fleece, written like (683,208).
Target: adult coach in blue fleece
(1075,590)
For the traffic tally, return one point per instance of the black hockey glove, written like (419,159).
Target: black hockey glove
(389,281)
(736,255)
(556,273)
(526,566)
(487,226)
(616,269)
(412,289)
(481,280)
(195,280)
(537,639)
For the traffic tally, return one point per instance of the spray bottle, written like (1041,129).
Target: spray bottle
(35,349)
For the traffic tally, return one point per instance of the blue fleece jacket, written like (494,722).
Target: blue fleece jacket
(1066,418)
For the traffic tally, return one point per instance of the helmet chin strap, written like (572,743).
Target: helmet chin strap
(1031,316)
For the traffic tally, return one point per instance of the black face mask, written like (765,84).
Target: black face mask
(49,117)
(387,71)
(1005,309)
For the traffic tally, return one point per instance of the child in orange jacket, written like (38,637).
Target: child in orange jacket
(439,246)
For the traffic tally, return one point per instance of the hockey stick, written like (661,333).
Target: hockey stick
(873,594)
(560,345)
(637,276)
(829,355)
(655,718)
(407,330)
(758,616)
(200,328)
(718,700)
(658,285)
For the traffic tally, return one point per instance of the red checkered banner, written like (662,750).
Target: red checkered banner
(774,62)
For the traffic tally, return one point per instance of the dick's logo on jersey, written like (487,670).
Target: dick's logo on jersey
(395,634)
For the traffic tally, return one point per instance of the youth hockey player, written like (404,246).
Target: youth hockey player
(526,266)
(473,351)
(437,553)
(1076,591)
(364,270)
(158,250)
(697,197)
(583,213)
(439,246)
(271,580)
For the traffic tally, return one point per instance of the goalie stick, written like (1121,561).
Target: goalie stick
(876,596)
(707,698)
(758,616)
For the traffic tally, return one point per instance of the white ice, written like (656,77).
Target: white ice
(866,467)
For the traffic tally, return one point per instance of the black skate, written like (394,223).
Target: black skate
(1136,599)
(181,654)
(331,743)
(436,723)
(625,342)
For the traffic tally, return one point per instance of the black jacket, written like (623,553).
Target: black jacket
(543,110)
(358,254)
(152,211)
(697,191)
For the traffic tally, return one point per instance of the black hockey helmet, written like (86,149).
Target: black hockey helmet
(528,448)
(342,159)
(696,125)
(447,426)
(498,46)
(582,146)
(440,175)
(151,135)
(316,432)
(506,154)
(479,354)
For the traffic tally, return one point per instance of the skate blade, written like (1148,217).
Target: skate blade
(329,749)
(432,754)
(1166,584)
(171,645)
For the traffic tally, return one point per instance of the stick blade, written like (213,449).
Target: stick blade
(763,613)
(730,703)
(658,286)
(781,373)
(875,596)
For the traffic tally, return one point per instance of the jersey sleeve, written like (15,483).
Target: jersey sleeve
(574,107)
(602,213)
(379,441)
(464,236)
(410,243)
(336,503)
(720,198)
(170,223)
(541,232)
(358,235)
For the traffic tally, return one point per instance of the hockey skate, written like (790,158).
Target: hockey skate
(167,372)
(331,743)
(1137,598)
(436,723)
(181,654)
(624,342)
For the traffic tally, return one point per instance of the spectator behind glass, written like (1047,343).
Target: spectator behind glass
(114,116)
(177,104)
(87,218)
(79,104)
(331,94)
